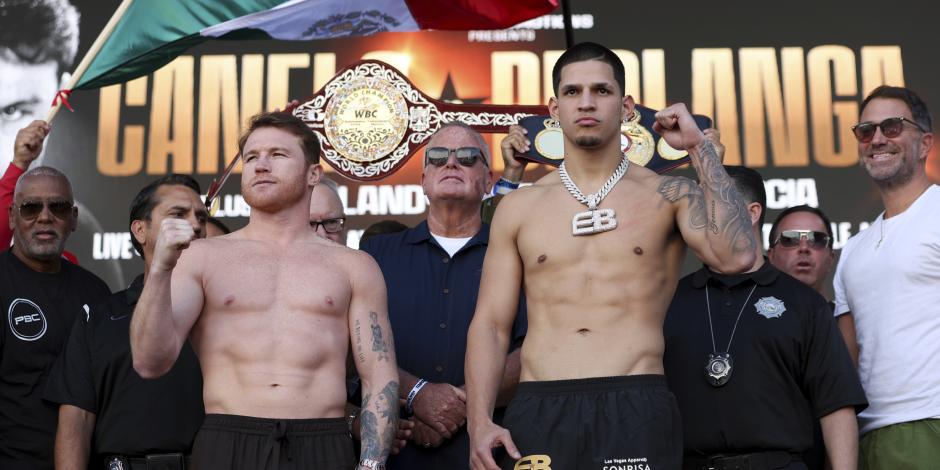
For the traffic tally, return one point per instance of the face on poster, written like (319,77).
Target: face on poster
(784,100)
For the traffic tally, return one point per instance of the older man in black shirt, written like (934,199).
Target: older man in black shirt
(753,359)
(109,416)
(40,297)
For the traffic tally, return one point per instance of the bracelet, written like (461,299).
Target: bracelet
(351,418)
(371,464)
(504,186)
(414,393)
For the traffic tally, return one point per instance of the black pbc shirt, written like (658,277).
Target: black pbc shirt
(38,311)
(790,364)
(134,416)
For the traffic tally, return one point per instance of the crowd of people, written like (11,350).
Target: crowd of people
(559,336)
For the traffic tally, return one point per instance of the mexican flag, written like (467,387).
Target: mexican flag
(144,35)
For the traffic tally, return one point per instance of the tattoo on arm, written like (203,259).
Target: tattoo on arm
(729,217)
(359,353)
(675,188)
(377,435)
(379,344)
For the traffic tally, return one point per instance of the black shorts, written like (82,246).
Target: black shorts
(607,423)
(242,442)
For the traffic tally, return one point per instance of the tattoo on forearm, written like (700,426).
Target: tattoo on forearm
(674,188)
(714,224)
(359,353)
(379,344)
(729,216)
(377,435)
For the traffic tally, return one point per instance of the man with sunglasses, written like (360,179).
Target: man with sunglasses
(40,297)
(433,277)
(800,243)
(109,417)
(887,286)
(774,364)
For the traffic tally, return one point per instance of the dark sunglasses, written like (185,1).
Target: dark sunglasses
(890,128)
(466,156)
(29,210)
(791,238)
(329,225)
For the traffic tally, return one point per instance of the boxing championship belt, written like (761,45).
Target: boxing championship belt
(370,119)
(638,141)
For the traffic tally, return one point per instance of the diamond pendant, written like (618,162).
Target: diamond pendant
(593,221)
(718,369)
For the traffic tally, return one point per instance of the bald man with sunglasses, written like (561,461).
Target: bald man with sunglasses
(433,276)
(887,286)
(40,296)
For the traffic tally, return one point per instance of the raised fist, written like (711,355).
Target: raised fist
(676,125)
(174,237)
(514,143)
(28,143)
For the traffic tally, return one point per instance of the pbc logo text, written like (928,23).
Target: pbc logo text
(26,320)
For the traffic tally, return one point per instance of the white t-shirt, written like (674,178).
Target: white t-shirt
(451,245)
(893,293)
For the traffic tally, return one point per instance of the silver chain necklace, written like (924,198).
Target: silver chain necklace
(593,220)
(718,365)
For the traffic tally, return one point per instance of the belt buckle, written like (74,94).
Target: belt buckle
(171,461)
(117,463)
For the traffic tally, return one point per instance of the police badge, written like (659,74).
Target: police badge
(718,369)
(770,307)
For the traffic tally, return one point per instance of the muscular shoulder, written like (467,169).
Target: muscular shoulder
(673,189)
(518,204)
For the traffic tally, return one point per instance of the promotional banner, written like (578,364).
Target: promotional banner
(783,87)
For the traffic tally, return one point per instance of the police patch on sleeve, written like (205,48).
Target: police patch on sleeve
(770,307)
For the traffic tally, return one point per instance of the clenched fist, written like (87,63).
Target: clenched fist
(174,237)
(28,143)
(677,126)
(514,143)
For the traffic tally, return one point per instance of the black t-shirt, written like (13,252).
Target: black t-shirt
(38,311)
(790,364)
(134,416)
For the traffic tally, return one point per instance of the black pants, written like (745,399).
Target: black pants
(241,442)
(595,424)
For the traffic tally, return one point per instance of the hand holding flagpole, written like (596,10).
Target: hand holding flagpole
(61,97)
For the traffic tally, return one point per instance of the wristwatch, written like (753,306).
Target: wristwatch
(371,464)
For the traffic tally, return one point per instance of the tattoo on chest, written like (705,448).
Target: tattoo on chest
(379,344)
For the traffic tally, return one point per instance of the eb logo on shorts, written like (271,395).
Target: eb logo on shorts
(534,462)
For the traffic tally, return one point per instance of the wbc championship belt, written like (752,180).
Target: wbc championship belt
(638,141)
(370,119)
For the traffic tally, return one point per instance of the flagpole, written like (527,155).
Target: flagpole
(566,17)
(88,58)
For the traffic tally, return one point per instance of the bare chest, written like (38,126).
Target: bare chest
(625,229)
(299,280)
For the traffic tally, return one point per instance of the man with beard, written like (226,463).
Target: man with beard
(598,280)
(887,286)
(271,310)
(109,415)
(40,296)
